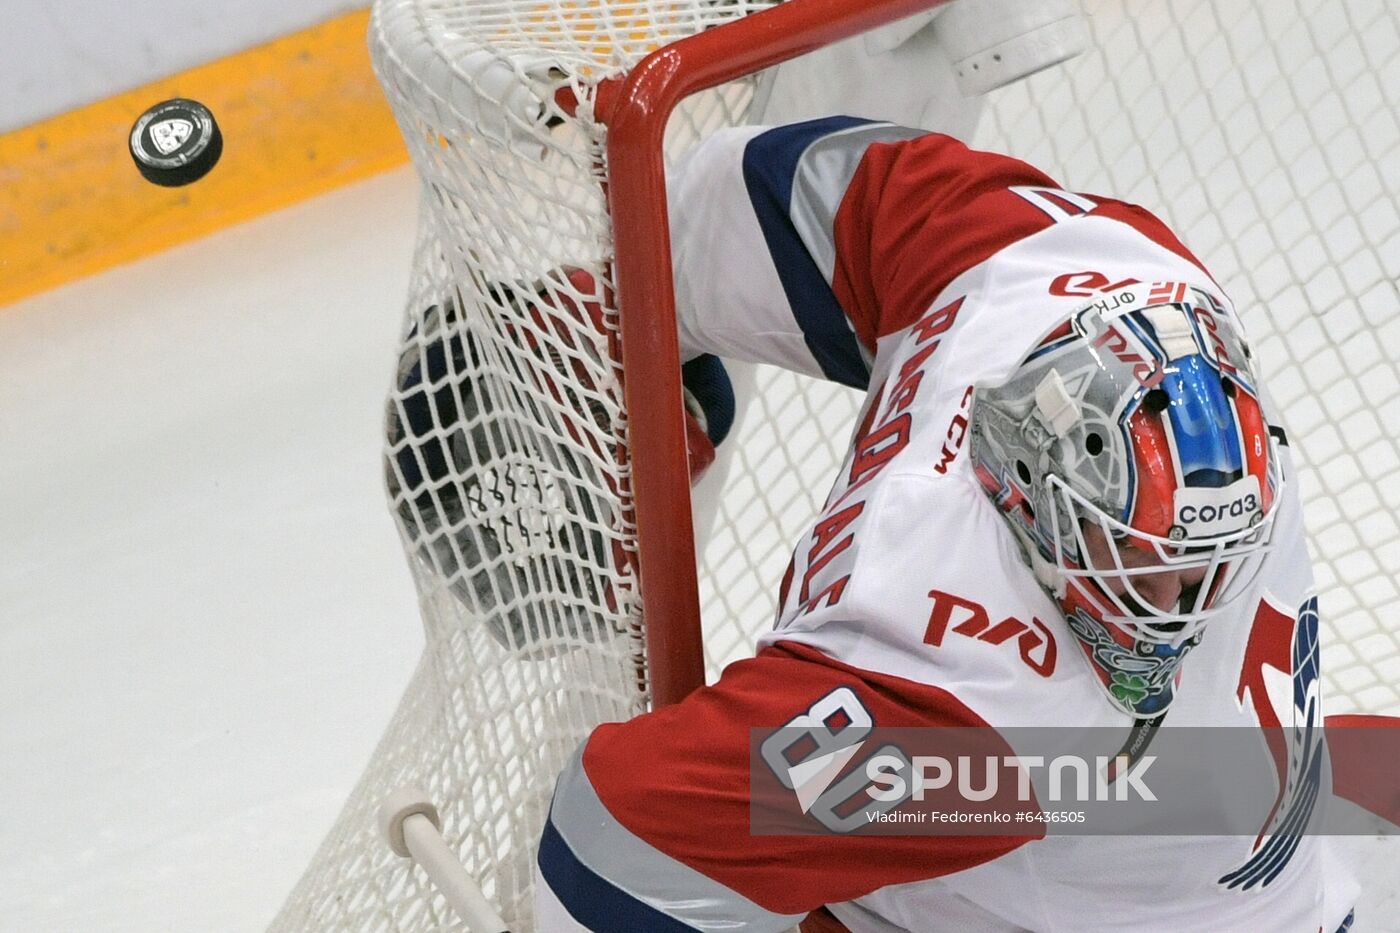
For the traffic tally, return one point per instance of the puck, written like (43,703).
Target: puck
(176,142)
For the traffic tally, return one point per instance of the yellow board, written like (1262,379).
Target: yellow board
(300,115)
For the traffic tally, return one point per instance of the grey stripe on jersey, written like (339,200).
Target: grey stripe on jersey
(823,174)
(631,864)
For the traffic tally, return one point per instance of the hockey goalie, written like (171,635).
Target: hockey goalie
(1065,428)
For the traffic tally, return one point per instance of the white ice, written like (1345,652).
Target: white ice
(205,616)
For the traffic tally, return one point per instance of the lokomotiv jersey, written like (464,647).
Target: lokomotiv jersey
(908,265)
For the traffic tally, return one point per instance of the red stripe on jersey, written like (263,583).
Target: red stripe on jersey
(678,778)
(918,213)
(1362,769)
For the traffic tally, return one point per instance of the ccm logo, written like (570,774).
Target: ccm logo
(1190,514)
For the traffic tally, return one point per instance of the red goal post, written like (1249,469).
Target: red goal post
(636,110)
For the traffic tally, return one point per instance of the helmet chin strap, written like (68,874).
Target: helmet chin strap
(1048,573)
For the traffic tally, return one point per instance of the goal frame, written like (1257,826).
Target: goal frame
(635,109)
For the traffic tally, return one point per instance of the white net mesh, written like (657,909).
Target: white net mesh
(504,464)
(1264,134)
(1260,130)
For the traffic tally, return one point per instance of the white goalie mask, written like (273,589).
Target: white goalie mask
(1130,453)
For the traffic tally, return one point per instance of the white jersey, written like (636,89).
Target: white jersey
(905,263)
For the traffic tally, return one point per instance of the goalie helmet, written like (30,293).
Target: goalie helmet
(1131,456)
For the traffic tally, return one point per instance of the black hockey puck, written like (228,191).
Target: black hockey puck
(176,142)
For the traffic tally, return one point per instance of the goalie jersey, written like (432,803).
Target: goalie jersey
(907,265)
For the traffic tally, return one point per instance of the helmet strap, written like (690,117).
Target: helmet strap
(1048,574)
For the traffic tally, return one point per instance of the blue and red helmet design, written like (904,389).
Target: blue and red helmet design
(1130,453)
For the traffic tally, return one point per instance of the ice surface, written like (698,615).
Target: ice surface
(206,616)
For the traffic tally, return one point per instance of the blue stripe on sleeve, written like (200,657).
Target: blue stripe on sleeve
(591,899)
(770,162)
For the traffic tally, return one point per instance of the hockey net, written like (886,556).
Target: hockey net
(1262,130)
